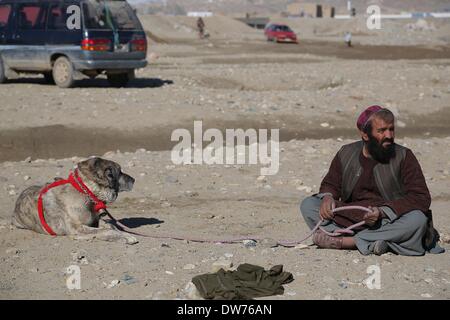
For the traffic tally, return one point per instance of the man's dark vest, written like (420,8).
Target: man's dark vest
(387,176)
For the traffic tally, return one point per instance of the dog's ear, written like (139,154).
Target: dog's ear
(92,169)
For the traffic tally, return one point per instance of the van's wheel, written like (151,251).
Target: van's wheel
(120,79)
(2,72)
(48,76)
(63,73)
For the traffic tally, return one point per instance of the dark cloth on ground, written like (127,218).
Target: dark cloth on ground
(247,282)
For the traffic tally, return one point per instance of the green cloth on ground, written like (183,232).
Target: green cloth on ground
(247,282)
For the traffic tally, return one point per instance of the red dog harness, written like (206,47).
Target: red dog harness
(76,182)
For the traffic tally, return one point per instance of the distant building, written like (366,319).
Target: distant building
(202,14)
(311,10)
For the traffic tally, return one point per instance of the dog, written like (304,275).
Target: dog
(71,207)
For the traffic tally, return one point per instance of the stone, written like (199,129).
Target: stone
(129,279)
(113,284)
(301,246)
(191,292)
(189,266)
(261,179)
(249,243)
(221,264)
(426,295)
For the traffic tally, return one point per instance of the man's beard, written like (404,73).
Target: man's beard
(378,152)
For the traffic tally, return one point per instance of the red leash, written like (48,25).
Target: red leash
(76,182)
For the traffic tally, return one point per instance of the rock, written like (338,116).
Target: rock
(268,187)
(426,295)
(170,273)
(328,297)
(325,125)
(130,164)
(228,255)
(113,284)
(189,266)
(249,243)
(445,238)
(27,159)
(12,250)
(129,279)
(261,179)
(343,284)
(26,178)
(79,257)
(191,193)
(166,204)
(191,291)
(291,293)
(304,188)
(301,246)
(12,192)
(221,264)
(429,269)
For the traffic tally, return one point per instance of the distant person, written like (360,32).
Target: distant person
(348,39)
(201,27)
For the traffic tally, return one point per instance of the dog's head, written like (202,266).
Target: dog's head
(105,178)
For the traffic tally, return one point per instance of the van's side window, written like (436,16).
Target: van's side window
(5,10)
(57,17)
(32,17)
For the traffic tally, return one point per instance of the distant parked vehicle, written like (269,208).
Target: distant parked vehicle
(44,37)
(280,33)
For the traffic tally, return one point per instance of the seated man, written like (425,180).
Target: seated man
(383,176)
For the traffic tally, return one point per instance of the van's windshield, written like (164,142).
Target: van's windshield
(108,14)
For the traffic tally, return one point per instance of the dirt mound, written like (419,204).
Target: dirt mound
(183,27)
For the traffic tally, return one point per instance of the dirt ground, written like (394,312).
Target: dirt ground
(312,92)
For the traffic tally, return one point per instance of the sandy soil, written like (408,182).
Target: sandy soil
(312,92)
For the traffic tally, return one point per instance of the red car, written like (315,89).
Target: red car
(280,33)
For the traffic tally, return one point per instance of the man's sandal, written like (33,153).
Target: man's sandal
(322,240)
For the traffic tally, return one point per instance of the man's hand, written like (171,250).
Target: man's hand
(372,217)
(326,206)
